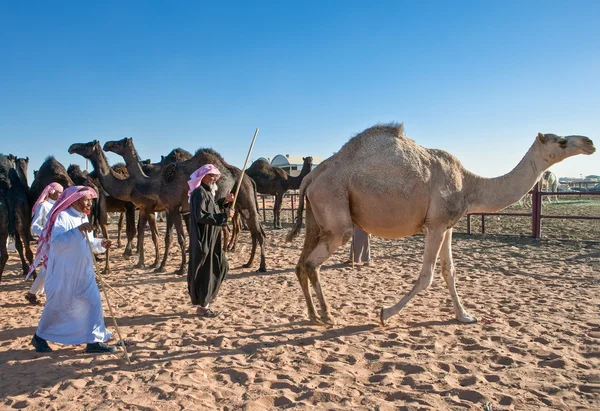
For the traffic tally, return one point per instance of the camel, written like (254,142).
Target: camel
(391,187)
(19,218)
(51,171)
(103,205)
(171,188)
(549,182)
(123,189)
(6,165)
(275,181)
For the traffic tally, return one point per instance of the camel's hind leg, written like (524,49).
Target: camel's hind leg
(319,245)
(433,242)
(448,273)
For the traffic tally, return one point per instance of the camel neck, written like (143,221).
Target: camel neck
(494,194)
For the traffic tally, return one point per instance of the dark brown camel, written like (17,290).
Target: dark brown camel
(51,171)
(275,181)
(5,165)
(19,217)
(171,188)
(103,205)
(126,209)
(123,189)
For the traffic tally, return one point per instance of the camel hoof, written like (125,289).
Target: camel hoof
(262,269)
(466,319)
(328,321)
(246,266)
(180,271)
(139,265)
(383,316)
(159,270)
(127,253)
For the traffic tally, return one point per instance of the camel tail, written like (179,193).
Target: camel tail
(296,229)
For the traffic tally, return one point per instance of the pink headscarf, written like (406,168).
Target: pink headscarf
(49,189)
(64,201)
(198,175)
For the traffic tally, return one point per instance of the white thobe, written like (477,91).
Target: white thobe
(73,310)
(40,216)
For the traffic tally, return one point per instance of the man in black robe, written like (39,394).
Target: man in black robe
(207,263)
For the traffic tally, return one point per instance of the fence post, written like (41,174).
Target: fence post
(468,223)
(536,212)
(482,223)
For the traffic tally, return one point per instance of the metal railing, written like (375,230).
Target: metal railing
(536,211)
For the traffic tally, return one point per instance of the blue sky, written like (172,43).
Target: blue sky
(476,78)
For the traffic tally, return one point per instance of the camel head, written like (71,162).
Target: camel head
(556,148)
(87,150)
(117,146)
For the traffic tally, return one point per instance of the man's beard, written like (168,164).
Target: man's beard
(214,188)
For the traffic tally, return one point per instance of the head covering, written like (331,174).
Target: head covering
(49,189)
(64,201)
(198,175)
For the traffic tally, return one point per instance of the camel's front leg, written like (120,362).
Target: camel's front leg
(433,242)
(448,273)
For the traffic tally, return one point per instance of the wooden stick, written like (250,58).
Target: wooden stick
(237,190)
(111,288)
(107,300)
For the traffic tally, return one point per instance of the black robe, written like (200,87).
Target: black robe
(207,265)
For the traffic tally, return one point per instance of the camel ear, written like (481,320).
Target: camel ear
(542,138)
(27,159)
(128,140)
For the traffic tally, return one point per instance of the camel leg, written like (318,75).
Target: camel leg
(236,227)
(433,242)
(19,247)
(181,240)
(258,238)
(277,210)
(154,232)
(129,229)
(225,230)
(119,227)
(168,232)
(140,241)
(449,274)
(3,251)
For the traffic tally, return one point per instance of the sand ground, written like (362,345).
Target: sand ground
(536,345)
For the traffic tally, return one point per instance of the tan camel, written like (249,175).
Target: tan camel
(549,183)
(391,187)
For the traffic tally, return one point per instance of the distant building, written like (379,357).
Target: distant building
(291,163)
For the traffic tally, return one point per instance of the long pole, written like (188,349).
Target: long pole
(237,189)
(107,300)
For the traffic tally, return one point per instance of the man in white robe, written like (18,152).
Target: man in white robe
(73,310)
(41,210)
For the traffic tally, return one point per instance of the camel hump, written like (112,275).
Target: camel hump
(169,172)
(393,129)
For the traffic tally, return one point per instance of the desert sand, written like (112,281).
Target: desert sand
(536,345)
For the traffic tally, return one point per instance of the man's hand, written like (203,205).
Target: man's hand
(85,227)
(230,212)
(106,243)
(229,198)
